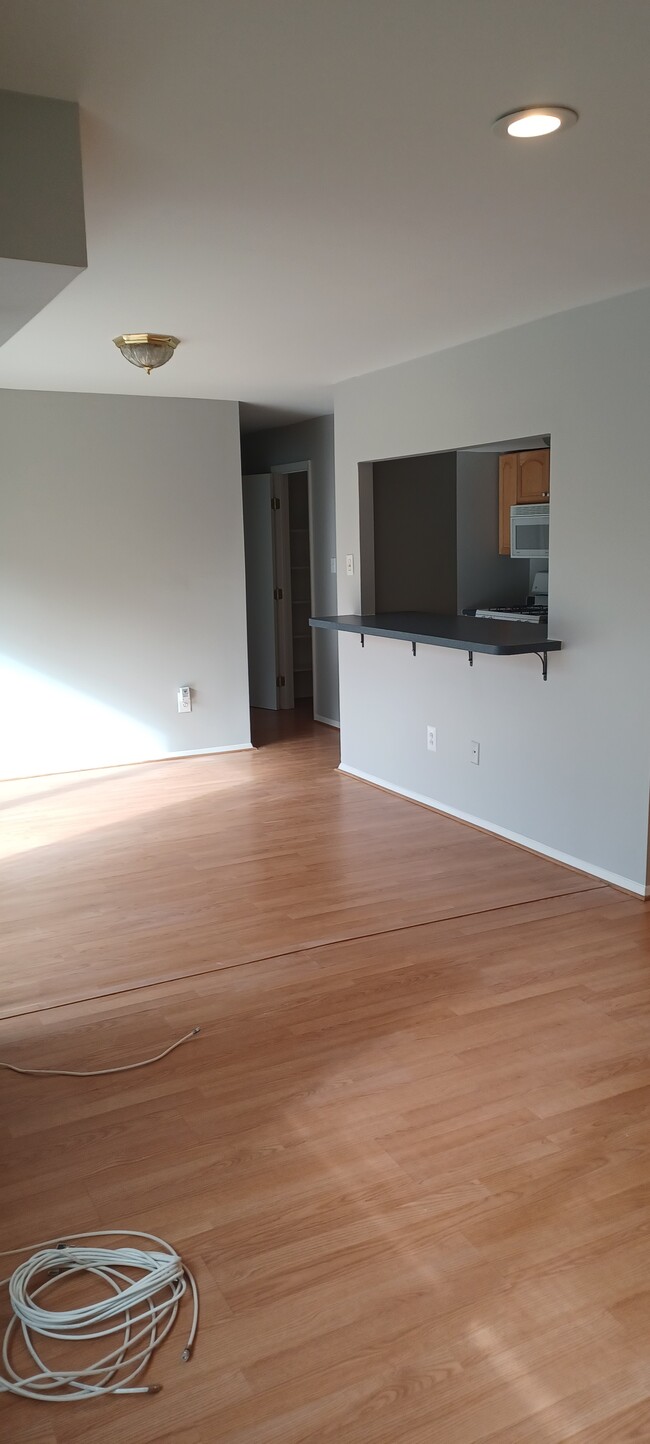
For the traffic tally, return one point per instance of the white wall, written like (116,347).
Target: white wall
(310,441)
(564,764)
(121,578)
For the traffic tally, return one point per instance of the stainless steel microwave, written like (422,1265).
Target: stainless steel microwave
(529,530)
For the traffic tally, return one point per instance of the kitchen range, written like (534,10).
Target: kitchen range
(534,609)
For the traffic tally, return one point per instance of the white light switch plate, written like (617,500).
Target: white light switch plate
(475,752)
(349,565)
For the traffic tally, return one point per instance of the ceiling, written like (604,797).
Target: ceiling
(305,190)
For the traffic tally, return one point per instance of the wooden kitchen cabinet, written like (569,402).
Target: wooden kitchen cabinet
(508,469)
(533,476)
(524,477)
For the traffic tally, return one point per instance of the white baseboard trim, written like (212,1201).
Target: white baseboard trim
(130,762)
(626,883)
(327,721)
(204,752)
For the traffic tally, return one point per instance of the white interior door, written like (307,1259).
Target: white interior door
(260,582)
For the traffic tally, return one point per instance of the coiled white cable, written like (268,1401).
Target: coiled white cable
(150,1300)
(98,1072)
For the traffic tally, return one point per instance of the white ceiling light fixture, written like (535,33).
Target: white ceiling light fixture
(146,350)
(535,121)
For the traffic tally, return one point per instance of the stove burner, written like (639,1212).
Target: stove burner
(523,613)
(535,611)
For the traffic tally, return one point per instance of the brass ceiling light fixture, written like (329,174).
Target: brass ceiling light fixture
(146,350)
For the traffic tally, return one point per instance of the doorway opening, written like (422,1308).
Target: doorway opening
(279,552)
(302,661)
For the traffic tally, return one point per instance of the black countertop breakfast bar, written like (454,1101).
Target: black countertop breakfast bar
(467,634)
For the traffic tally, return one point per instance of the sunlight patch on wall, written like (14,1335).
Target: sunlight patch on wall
(47,726)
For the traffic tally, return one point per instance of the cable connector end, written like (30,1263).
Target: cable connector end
(186,1355)
(54,1271)
(195,1031)
(154,1389)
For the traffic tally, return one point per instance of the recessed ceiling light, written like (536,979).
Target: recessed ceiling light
(535,121)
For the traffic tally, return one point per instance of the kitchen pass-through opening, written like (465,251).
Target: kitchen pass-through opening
(458,532)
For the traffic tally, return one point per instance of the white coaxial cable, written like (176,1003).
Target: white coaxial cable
(134,1319)
(98,1072)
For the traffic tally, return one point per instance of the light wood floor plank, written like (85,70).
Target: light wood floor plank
(411,1169)
(135,875)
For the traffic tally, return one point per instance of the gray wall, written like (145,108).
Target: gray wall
(42,227)
(564,764)
(414,506)
(121,578)
(42,216)
(483,576)
(310,441)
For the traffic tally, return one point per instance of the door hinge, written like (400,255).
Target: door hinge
(277,594)
(275,503)
(280,681)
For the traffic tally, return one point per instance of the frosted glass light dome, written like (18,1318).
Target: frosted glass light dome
(146,350)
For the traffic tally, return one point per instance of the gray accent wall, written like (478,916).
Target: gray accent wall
(42,216)
(121,579)
(42,225)
(311,441)
(414,505)
(565,765)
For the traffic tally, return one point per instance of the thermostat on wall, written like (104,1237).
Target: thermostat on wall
(184,699)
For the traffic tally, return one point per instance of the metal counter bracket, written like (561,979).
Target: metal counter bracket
(543,656)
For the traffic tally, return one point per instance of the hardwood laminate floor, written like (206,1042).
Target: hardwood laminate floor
(136,875)
(411,1169)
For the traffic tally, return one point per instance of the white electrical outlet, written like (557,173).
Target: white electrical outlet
(475,752)
(184,699)
(431,739)
(333,564)
(349,565)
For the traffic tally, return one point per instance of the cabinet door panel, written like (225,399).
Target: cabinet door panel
(534,472)
(508,472)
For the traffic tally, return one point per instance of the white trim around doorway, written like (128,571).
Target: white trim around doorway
(289,468)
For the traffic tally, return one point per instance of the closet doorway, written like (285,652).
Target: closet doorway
(279,546)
